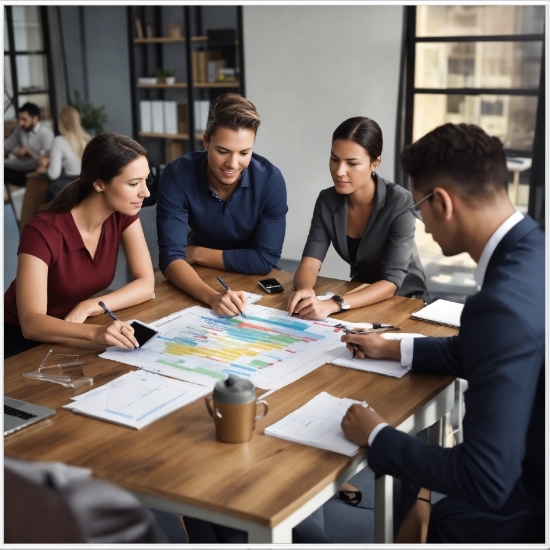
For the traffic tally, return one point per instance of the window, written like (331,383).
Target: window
(479,65)
(26,62)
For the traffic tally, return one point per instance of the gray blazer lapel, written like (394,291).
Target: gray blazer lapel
(340,219)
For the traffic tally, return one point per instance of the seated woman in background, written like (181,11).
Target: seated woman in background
(68,253)
(57,168)
(366,218)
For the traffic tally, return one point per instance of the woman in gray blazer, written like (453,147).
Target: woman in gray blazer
(366,219)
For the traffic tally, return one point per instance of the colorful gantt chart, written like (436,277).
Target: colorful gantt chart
(268,347)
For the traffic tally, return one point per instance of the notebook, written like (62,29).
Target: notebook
(441,312)
(18,414)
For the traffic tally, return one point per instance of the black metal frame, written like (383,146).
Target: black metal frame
(405,128)
(12,54)
(411,40)
(190,17)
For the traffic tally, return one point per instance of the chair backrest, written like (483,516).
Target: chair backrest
(11,243)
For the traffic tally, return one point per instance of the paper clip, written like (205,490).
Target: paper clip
(65,380)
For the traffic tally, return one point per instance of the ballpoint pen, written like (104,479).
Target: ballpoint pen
(109,312)
(224,284)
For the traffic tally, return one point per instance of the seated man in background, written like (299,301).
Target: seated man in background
(224,207)
(25,144)
(494,481)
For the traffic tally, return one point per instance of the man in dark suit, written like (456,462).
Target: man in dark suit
(494,481)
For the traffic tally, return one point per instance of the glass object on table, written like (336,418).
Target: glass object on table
(61,368)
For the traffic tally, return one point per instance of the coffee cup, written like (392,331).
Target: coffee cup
(233,406)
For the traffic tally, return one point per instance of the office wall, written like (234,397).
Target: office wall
(307,69)
(97,60)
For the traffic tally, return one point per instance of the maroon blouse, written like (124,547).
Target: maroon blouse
(73,276)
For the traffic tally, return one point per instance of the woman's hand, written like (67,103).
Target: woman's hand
(297,296)
(43,163)
(229,302)
(83,310)
(310,308)
(118,333)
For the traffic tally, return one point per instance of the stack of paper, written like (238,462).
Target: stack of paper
(136,399)
(378,366)
(317,424)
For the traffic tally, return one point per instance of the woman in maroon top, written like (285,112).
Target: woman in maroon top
(68,253)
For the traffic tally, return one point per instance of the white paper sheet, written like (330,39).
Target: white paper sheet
(317,424)
(268,347)
(378,366)
(136,399)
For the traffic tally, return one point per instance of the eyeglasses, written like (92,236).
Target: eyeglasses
(414,208)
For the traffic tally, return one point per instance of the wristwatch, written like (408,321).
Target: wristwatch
(340,301)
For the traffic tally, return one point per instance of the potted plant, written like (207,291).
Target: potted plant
(92,118)
(165,76)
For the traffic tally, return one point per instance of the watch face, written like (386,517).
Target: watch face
(338,299)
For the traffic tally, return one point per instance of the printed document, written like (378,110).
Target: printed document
(268,347)
(378,366)
(317,424)
(136,399)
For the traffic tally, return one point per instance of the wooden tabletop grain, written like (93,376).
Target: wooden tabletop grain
(178,456)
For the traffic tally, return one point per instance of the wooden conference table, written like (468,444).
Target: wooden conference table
(265,486)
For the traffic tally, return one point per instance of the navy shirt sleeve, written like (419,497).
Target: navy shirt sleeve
(269,234)
(172,218)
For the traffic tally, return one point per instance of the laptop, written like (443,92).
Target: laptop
(18,414)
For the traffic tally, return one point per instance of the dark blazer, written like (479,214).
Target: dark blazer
(499,468)
(386,250)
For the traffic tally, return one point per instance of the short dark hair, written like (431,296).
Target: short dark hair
(30,108)
(364,131)
(232,111)
(104,158)
(463,153)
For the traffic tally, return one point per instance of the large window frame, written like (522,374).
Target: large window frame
(408,91)
(11,53)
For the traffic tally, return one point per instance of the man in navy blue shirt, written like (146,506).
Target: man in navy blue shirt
(224,207)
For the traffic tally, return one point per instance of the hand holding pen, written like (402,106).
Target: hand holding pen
(376,327)
(234,299)
(118,333)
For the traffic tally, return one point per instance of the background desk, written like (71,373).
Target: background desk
(265,486)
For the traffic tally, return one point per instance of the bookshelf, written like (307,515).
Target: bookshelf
(203,45)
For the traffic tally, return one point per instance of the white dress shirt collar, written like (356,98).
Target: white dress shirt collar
(492,243)
(36,129)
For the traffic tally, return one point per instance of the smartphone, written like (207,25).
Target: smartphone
(142,332)
(271,286)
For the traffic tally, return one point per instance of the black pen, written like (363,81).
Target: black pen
(222,282)
(109,312)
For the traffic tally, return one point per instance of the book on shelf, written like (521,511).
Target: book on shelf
(157,115)
(173,150)
(201,108)
(146,124)
(139,28)
(183,126)
(170,117)
(213,69)
(200,60)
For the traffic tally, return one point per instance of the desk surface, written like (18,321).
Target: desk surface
(177,457)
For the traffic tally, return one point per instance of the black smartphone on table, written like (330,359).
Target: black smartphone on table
(142,332)
(271,286)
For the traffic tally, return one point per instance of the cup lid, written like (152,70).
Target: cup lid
(234,390)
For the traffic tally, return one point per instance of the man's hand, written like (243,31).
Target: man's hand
(229,302)
(373,345)
(358,423)
(23,152)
